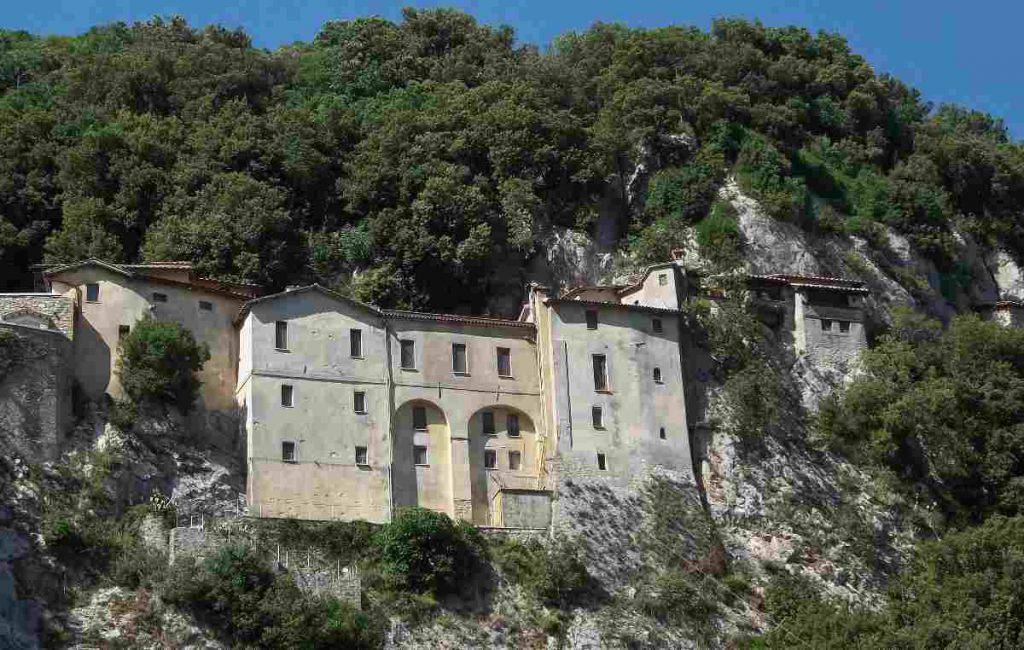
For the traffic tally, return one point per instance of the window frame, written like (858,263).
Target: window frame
(457,346)
(89,288)
(597,417)
(359,402)
(602,461)
(426,424)
(590,315)
(506,353)
(487,417)
(281,335)
(826,325)
(355,343)
(289,390)
(295,452)
(518,464)
(656,326)
(844,327)
(662,434)
(365,454)
(601,386)
(492,456)
(160,297)
(205,305)
(656,373)
(426,455)
(510,430)
(410,346)
(663,279)
(123,331)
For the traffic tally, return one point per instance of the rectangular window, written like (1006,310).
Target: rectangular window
(205,305)
(515,459)
(490,459)
(287,395)
(281,335)
(488,422)
(504,362)
(601,464)
(663,279)
(419,455)
(600,372)
(419,418)
(92,293)
(159,297)
(591,319)
(408,354)
(661,433)
(359,401)
(361,456)
(123,331)
(459,358)
(513,425)
(844,326)
(656,325)
(597,417)
(657,375)
(289,452)
(355,343)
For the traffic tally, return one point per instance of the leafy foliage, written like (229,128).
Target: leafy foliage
(555,573)
(158,361)
(423,550)
(941,408)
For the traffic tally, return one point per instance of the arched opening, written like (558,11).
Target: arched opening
(502,454)
(421,457)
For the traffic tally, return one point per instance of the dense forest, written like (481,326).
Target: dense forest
(423,163)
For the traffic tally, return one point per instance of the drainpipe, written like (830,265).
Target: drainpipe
(390,383)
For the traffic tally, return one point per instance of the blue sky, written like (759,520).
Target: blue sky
(964,52)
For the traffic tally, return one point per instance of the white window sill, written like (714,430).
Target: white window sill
(460,374)
(506,377)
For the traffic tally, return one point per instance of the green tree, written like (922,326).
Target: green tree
(158,361)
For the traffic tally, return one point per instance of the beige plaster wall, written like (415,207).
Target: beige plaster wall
(654,294)
(123,301)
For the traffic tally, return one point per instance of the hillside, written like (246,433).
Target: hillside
(438,164)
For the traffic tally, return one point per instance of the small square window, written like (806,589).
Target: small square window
(512,423)
(361,456)
(281,335)
(408,354)
(490,459)
(92,292)
(601,464)
(159,297)
(597,417)
(488,423)
(826,325)
(123,331)
(515,459)
(661,433)
(663,279)
(419,455)
(504,362)
(419,418)
(459,366)
(844,326)
(355,343)
(287,395)
(359,401)
(591,319)
(656,325)
(657,375)
(205,305)
(289,452)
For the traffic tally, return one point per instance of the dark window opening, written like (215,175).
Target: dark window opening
(419,418)
(205,305)
(361,456)
(289,452)
(355,343)
(663,279)
(281,335)
(419,455)
(597,417)
(515,459)
(408,354)
(488,422)
(287,395)
(123,331)
(826,325)
(600,372)
(92,292)
(512,423)
(459,358)
(656,325)
(490,459)
(601,465)
(661,433)
(591,319)
(159,297)
(844,326)
(657,375)
(359,401)
(504,362)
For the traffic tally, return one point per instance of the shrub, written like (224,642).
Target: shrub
(423,550)
(718,235)
(555,573)
(158,361)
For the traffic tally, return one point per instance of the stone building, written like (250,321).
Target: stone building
(350,411)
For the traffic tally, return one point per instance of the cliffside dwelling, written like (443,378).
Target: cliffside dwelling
(350,411)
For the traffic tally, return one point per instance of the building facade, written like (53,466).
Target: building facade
(349,411)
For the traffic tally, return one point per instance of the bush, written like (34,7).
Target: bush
(423,550)
(158,362)
(555,573)
(718,235)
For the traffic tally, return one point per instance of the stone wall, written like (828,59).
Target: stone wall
(35,391)
(39,310)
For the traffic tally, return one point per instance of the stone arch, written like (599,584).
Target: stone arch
(29,318)
(485,483)
(429,484)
